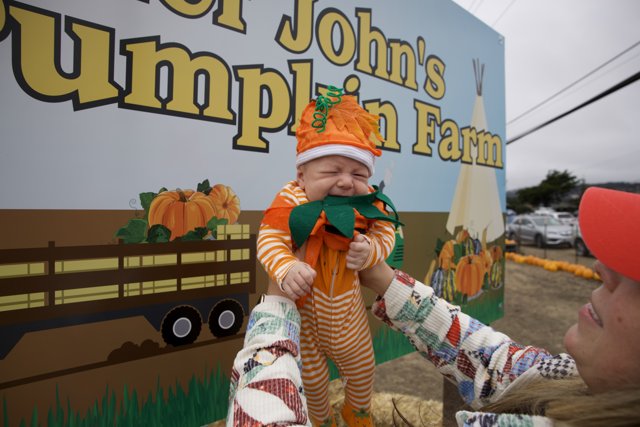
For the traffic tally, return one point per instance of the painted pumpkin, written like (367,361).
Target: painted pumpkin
(225,203)
(446,255)
(496,253)
(181,211)
(449,286)
(495,276)
(486,258)
(470,274)
(462,236)
(437,281)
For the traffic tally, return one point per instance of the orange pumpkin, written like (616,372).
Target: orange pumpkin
(446,255)
(470,274)
(587,273)
(181,211)
(225,203)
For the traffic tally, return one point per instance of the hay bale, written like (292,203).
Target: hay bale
(389,408)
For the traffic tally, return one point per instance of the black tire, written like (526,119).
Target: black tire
(181,326)
(581,248)
(539,241)
(226,318)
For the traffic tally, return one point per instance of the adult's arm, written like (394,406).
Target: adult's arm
(266,382)
(483,363)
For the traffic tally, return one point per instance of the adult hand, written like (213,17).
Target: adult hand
(377,278)
(274,289)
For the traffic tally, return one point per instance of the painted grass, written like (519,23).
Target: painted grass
(203,402)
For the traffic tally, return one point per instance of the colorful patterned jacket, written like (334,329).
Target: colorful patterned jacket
(266,386)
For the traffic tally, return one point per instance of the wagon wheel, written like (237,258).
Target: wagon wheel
(181,326)
(226,318)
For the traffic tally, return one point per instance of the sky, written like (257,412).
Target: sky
(549,46)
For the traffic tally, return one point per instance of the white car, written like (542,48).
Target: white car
(541,231)
(561,217)
(565,218)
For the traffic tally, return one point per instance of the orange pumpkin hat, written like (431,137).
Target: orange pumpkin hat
(338,125)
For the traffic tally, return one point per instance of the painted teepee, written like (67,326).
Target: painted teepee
(476,204)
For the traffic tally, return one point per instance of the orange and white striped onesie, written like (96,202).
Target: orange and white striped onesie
(334,320)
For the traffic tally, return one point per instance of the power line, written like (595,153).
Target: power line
(535,107)
(599,96)
(503,12)
(611,70)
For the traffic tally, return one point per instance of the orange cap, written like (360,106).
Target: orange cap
(349,131)
(610,226)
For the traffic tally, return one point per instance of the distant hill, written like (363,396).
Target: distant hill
(631,187)
(571,200)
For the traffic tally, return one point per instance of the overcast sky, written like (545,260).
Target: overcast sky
(550,44)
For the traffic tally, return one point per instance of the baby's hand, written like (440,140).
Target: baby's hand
(359,250)
(298,281)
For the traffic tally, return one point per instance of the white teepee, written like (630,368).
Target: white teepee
(476,204)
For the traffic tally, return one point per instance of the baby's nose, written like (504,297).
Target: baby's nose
(345,181)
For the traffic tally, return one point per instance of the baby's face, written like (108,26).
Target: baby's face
(333,176)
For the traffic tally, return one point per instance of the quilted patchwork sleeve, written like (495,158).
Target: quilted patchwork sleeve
(482,363)
(266,384)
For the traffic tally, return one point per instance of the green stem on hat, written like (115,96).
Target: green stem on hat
(323,104)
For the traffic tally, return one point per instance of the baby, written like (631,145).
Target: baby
(331,216)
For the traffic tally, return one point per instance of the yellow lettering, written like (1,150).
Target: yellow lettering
(428,118)
(434,83)
(189,8)
(449,145)
(469,138)
(401,49)
(489,150)
(229,15)
(254,83)
(387,111)
(302,71)
(329,19)
(3,18)
(39,70)
(146,57)
(366,36)
(297,40)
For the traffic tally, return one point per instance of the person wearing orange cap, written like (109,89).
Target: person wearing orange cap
(595,384)
(332,215)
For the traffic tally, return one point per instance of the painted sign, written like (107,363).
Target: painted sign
(111,111)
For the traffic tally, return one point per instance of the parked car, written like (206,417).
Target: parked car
(541,231)
(561,217)
(565,218)
(580,245)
